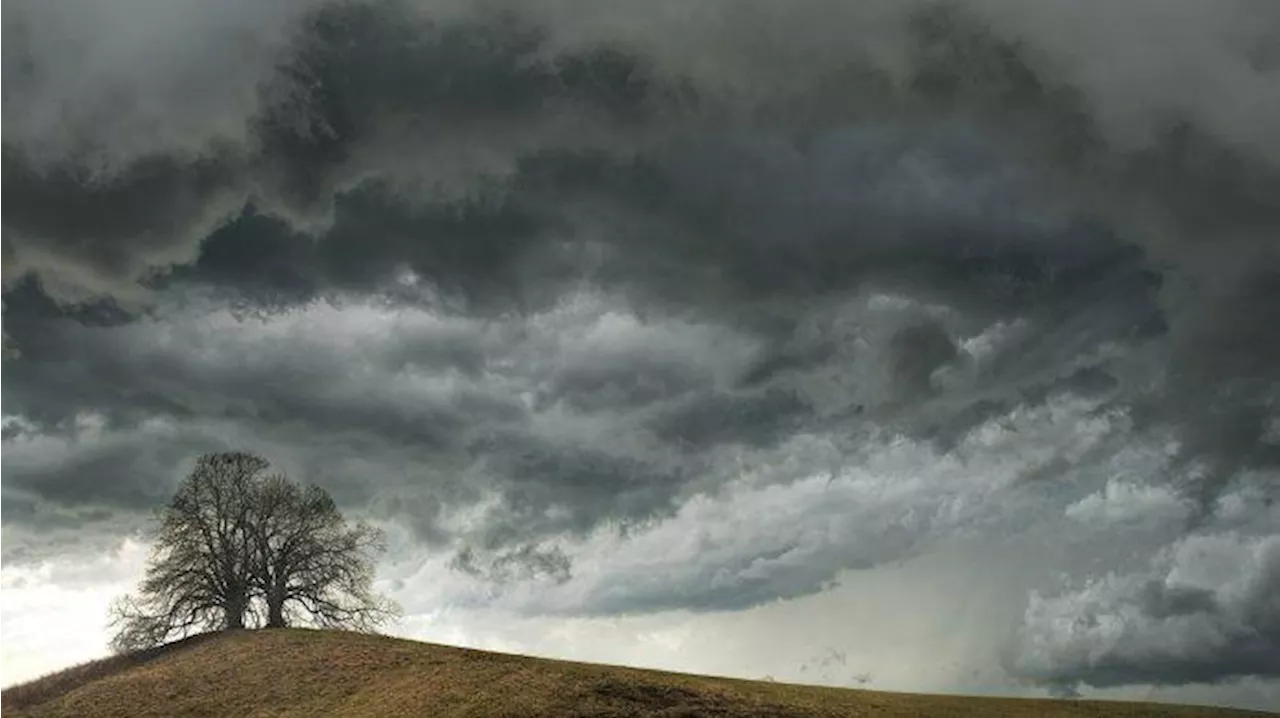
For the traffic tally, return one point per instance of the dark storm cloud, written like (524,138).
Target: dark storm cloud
(842,221)
(124,477)
(915,352)
(712,418)
(80,490)
(931,210)
(844,207)
(353,67)
(944,423)
(357,70)
(356,86)
(597,387)
(437,393)
(157,367)
(127,477)
(108,222)
(1220,382)
(116,162)
(261,260)
(354,80)
(550,489)
(527,562)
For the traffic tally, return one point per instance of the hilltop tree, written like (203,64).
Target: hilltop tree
(198,575)
(307,560)
(236,547)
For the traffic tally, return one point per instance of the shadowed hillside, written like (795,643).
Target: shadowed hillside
(293,672)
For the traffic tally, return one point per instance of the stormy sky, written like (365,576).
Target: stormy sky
(910,344)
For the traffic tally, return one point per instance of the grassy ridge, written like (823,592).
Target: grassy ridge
(322,673)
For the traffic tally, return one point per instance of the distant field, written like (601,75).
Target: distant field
(322,673)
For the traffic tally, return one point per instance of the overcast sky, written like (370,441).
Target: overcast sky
(913,345)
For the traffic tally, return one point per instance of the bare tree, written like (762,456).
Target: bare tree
(198,576)
(309,562)
(234,541)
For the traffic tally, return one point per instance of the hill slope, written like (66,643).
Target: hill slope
(321,673)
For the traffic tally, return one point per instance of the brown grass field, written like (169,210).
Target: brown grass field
(304,673)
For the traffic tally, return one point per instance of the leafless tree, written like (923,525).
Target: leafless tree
(237,547)
(198,576)
(309,562)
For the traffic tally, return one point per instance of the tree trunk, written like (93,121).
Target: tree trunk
(237,604)
(275,610)
(233,615)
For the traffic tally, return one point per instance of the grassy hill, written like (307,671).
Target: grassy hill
(323,673)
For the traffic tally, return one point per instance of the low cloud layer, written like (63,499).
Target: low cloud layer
(1205,611)
(613,310)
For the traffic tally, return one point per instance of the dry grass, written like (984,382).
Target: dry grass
(322,673)
(53,685)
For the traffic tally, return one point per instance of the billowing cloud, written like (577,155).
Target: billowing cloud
(1204,611)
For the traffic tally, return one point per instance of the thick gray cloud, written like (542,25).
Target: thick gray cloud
(475,405)
(327,93)
(554,287)
(1205,611)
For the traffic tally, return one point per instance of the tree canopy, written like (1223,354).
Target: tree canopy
(239,547)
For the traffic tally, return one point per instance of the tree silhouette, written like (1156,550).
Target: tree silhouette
(308,560)
(236,546)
